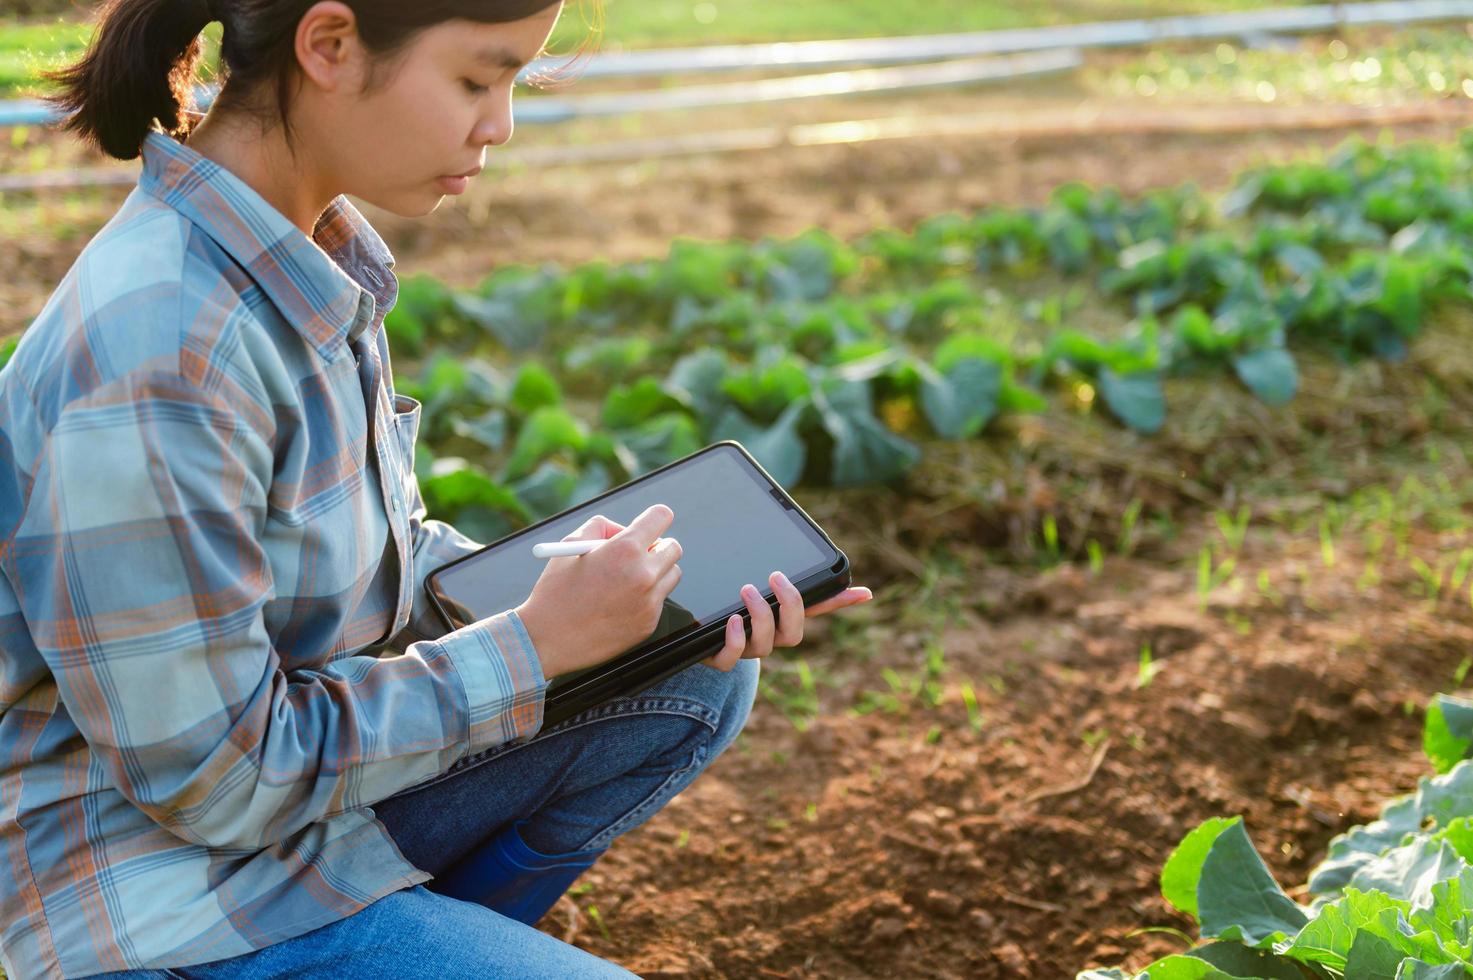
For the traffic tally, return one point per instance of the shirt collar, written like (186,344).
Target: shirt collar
(332,287)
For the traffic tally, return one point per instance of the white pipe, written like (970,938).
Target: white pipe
(1124,33)
(904,79)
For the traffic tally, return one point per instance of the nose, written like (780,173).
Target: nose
(495,127)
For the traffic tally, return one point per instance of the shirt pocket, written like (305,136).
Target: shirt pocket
(406,428)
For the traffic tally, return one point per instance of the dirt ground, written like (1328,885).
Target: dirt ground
(915,843)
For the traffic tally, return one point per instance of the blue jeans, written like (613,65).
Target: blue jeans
(580,784)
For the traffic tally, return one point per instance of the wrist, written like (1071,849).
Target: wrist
(542,641)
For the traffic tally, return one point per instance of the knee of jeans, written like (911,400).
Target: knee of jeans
(742,693)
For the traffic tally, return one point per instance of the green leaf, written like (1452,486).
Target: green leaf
(455,484)
(547,490)
(1419,970)
(1239,961)
(1448,917)
(1444,798)
(1329,937)
(422,300)
(489,429)
(1015,399)
(1270,373)
(611,357)
(1373,957)
(547,430)
(1350,851)
(1183,868)
(502,316)
(7,349)
(779,448)
(764,390)
(699,376)
(961,346)
(1135,399)
(594,480)
(627,406)
(1409,872)
(660,440)
(1183,968)
(865,451)
(1459,836)
(959,402)
(1447,735)
(534,388)
(1237,897)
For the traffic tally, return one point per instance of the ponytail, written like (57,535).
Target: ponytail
(139,67)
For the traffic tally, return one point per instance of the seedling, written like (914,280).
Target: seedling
(1125,544)
(1147,670)
(1096,556)
(974,714)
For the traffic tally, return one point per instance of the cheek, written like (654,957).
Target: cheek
(424,126)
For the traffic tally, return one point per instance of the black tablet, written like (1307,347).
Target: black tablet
(735,525)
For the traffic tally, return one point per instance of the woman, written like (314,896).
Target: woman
(235,744)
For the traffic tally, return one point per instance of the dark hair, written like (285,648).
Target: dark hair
(143,58)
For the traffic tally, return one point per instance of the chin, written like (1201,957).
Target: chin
(406,206)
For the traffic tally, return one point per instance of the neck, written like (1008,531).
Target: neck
(267,166)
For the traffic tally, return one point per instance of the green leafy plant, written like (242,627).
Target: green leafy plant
(1392,899)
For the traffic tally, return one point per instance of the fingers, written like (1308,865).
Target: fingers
(668,581)
(849,597)
(648,526)
(596,527)
(736,644)
(763,627)
(790,611)
(666,552)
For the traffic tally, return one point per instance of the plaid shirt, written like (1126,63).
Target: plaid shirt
(216,651)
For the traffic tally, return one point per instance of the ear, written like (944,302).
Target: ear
(328,48)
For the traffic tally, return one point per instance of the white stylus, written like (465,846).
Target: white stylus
(562,549)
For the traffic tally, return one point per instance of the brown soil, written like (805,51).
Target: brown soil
(1031,846)
(909,843)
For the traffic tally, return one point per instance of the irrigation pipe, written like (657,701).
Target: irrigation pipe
(903,79)
(888,80)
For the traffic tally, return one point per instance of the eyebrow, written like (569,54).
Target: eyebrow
(500,57)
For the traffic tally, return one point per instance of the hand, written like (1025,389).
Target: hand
(765,633)
(585,609)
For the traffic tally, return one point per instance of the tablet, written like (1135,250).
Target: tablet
(735,525)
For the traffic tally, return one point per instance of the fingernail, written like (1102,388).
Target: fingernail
(782,579)
(750,591)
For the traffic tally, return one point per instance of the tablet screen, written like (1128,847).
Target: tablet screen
(732,528)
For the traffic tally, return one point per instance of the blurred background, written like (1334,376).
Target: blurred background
(1122,344)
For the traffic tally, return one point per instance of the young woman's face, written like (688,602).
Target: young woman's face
(441,106)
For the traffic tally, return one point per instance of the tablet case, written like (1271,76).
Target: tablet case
(643,666)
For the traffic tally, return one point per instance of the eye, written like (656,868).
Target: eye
(475,89)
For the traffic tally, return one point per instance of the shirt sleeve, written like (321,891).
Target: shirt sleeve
(140,569)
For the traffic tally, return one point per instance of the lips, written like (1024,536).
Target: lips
(466,173)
